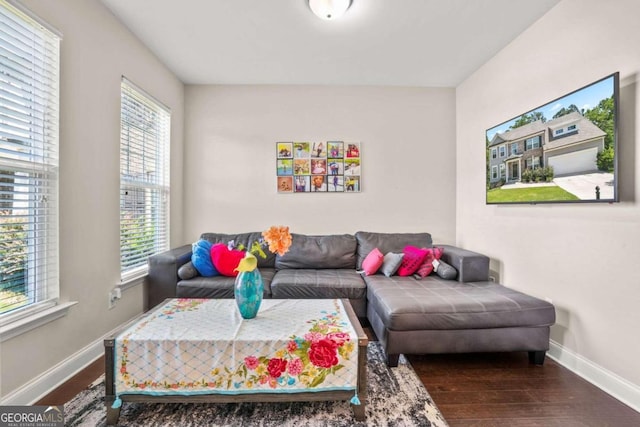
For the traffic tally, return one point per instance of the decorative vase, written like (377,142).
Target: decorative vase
(248,291)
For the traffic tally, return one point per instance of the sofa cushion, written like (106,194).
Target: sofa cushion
(388,242)
(201,258)
(372,262)
(218,286)
(319,252)
(411,260)
(226,260)
(187,271)
(406,304)
(326,283)
(245,239)
(446,271)
(391,263)
(426,268)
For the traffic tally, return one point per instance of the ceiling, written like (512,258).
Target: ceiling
(430,43)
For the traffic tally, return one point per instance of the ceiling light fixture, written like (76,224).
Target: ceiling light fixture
(329,9)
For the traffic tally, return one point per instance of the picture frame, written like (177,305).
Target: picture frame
(565,151)
(319,167)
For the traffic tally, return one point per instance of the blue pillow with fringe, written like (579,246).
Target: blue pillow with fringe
(201,258)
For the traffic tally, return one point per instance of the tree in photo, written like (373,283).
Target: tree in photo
(602,116)
(568,110)
(525,119)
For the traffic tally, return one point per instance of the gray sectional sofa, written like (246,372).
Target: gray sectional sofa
(409,316)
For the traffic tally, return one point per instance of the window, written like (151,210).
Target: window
(533,142)
(144,179)
(494,153)
(503,150)
(559,131)
(572,127)
(514,148)
(494,172)
(533,162)
(503,172)
(29,97)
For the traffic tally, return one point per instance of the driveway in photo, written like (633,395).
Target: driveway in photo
(584,185)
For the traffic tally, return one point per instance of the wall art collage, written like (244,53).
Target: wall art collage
(319,167)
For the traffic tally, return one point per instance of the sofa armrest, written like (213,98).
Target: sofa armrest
(471,266)
(163,274)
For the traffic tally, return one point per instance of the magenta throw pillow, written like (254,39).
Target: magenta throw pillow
(372,262)
(413,258)
(426,267)
(226,260)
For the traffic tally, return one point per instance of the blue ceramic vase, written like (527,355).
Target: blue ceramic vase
(249,288)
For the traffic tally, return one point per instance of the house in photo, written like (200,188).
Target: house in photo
(570,144)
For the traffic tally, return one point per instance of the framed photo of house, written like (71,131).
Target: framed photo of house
(564,151)
(319,167)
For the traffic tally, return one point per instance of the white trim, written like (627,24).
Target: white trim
(145,93)
(44,24)
(133,277)
(132,282)
(40,318)
(609,382)
(49,380)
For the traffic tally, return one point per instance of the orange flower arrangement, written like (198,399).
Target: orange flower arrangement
(278,238)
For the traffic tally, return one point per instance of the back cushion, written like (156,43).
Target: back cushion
(333,251)
(388,242)
(247,240)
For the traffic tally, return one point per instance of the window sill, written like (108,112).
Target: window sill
(35,320)
(132,281)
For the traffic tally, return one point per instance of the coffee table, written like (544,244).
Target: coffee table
(201,350)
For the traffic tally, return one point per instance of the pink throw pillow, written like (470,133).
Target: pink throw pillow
(225,260)
(426,267)
(372,262)
(413,258)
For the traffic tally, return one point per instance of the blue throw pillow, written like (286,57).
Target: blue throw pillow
(201,258)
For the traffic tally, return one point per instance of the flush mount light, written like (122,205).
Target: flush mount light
(329,9)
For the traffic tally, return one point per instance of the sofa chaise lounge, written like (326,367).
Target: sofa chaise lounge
(408,315)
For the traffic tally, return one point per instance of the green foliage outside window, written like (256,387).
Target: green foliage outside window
(13,262)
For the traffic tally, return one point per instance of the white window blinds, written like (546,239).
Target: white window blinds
(29,96)
(144,179)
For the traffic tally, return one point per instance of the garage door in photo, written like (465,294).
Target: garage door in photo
(573,163)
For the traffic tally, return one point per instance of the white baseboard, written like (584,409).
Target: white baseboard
(623,390)
(46,382)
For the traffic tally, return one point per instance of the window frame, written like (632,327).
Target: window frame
(532,143)
(150,187)
(30,159)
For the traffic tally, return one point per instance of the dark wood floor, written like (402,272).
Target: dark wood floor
(503,389)
(490,389)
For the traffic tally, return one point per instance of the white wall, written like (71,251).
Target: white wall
(408,155)
(583,257)
(96,51)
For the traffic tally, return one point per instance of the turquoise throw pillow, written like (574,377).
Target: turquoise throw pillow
(201,258)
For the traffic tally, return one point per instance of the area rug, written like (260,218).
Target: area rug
(396,398)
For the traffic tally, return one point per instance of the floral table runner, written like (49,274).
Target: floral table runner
(203,346)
